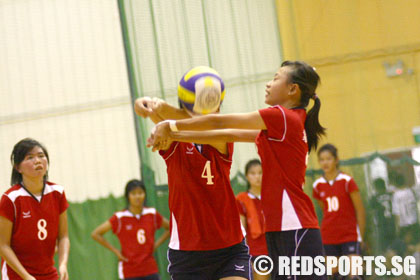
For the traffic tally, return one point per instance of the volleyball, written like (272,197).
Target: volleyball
(201,90)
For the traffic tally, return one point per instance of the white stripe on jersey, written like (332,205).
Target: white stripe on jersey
(225,159)
(318,181)
(120,270)
(343,176)
(15,194)
(176,145)
(127,213)
(290,220)
(339,177)
(147,210)
(174,242)
(22,192)
(285,126)
(124,213)
(50,188)
(4,272)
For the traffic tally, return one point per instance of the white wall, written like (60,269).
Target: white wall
(63,81)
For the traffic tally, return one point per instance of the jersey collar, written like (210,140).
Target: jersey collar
(331,183)
(31,194)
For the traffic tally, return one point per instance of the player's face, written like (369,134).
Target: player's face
(279,89)
(136,197)
(34,165)
(327,161)
(254,175)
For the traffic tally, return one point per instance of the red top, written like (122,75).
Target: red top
(283,150)
(35,229)
(137,238)
(339,224)
(258,245)
(203,209)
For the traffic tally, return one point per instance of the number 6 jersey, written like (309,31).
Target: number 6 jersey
(136,234)
(35,228)
(203,208)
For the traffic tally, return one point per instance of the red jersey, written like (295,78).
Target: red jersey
(137,238)
(283,150)
(35,229)
(203,208)
(257,246)
(339,224)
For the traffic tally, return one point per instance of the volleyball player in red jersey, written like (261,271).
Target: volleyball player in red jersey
(33,218)
(135,228)
(252,218)
(206,236)
(343,224)
(284,134)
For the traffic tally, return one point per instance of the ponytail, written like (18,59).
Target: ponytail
(313,128)
(306,77)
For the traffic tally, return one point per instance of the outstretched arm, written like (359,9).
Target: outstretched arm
(210,137)
(158,110)
(246,121)
(251,120)
(216,136)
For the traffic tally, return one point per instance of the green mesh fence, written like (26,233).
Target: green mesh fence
(390,187)
(163,39)
(384,234)
(387,230)
(239,38)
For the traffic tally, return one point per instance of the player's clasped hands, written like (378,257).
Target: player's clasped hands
(160,137)
(146,106)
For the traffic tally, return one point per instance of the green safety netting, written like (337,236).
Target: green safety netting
(384,235)
(240,39)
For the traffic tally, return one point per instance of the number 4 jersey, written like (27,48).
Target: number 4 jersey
(35,228)
(203,208)
(339,224)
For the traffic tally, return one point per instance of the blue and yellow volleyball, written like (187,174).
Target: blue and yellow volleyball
(201,90)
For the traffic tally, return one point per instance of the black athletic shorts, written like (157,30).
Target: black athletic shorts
(300,242)
(148,277)
(343,249)
(210,265)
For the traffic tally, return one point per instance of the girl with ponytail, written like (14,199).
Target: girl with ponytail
(284,134)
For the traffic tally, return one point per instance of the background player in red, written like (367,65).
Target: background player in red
(284,134)
(252,218)
(33,218)
(206,237)
(135,227)
(343,224)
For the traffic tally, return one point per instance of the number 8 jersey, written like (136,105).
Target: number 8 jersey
(203,208)
(35,228)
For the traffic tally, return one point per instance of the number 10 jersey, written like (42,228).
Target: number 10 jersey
(203,208)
